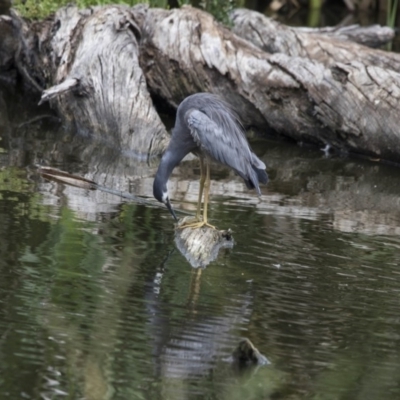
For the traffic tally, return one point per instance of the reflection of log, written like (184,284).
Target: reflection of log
(201,246)
(354,196)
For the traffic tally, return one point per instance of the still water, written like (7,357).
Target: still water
(97,303)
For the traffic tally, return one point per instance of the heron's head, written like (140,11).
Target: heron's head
(160,192)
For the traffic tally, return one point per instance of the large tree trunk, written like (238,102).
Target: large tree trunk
(351,106)
(89,61)
(327,46)
(324,90)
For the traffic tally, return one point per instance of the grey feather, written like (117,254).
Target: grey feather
(217,132)
(208,126)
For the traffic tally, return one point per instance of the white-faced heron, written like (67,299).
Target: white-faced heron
(208,127)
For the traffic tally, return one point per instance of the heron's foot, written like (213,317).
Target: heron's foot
(194,223)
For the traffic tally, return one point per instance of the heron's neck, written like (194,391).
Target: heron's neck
(170,159)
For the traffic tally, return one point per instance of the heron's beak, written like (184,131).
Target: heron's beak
(171,210)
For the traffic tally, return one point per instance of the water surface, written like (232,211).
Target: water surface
(97,303)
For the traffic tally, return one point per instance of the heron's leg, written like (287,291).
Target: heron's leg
(206,192)
(200,224)
(202,180)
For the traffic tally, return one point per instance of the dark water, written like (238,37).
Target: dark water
(97,303)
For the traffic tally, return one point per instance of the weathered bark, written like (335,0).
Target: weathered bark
(371,36)
(89,59)
(350,106)
(324,46)
(105,62)
(8,42)
(16,44)
(184,51)
(274,37)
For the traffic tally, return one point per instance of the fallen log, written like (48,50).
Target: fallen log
(326,46)
(372,36)
(246,354)
(349,106)
(88,59)
(273,37)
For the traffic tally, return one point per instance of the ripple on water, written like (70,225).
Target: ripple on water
(96,301)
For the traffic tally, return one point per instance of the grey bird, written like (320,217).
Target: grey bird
(208,126)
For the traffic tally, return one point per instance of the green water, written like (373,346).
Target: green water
(97,303)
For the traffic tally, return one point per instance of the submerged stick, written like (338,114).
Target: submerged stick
(59,176)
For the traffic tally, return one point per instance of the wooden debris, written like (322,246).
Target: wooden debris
(348,106)
(317,87)
(371,36)
(89,62)
(59,176)
(247,354)
(327,46)
(201,246)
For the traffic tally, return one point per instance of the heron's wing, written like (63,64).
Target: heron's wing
(215,140)
(221,137)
